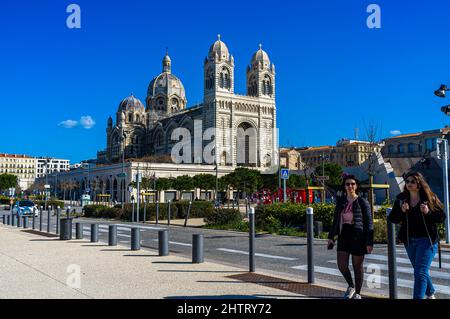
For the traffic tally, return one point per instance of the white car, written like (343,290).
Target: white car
(25,208)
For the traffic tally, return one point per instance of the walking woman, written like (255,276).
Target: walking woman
(418,210)
(354,227)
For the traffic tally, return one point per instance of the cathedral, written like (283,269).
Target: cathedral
(146,130)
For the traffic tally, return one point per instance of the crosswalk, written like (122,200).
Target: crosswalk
(376,266)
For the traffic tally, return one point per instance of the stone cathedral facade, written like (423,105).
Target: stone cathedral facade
(145,130)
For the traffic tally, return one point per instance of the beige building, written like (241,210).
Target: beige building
(22,166)
(419,144)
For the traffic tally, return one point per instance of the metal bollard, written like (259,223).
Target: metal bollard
(4,219)
(145,211)
(168,212)
(34,221)
(132,212)
(40,217)
(392,258)
(317,229)
(157,213)
(135,238)
(310,233)
(25,221)
(187,215)
(8,219)
(163,242)
(58,212)
(13,220)
(19,221)
(94,233)
(251,236)
(197,249)
(79,230)
(112,235)
(48,219)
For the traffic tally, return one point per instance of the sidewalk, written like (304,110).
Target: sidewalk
(36,266)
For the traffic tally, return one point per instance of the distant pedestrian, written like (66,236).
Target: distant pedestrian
(419,210)
(353,225)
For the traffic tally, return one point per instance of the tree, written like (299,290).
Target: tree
(183,183)
(245,180)
(296,181)
(204,181)
(163,184)
(7,181)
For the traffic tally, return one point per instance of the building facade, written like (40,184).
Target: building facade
(22,166)
(148,130)
(48,165)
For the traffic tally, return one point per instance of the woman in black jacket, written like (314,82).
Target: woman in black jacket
(418,210)
(353,225)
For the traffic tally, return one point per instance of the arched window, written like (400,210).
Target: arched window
(401,148)
(225,79)
(130,117)
(410,148)
(222,84)
(138,119)
(159,140)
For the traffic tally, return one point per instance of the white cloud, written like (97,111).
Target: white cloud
(395,132)
(68,123)
(87,122)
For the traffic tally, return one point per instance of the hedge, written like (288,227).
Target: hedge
(178,210)
(223,217)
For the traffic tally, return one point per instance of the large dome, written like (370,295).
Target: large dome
(131,103)
(166,84)
(220,49)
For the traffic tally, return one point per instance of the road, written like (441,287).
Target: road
(276,255)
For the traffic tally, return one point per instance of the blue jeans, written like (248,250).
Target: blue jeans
(421,254)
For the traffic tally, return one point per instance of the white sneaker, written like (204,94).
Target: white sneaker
(356,296)
(349,293)
(432,296)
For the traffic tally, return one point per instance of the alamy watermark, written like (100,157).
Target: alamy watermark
(374,279)
(74,278)
(74,19)
(374,19)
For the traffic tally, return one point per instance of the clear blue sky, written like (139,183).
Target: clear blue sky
(333,73)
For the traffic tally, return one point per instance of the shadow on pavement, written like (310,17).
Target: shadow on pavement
(216,297)
(140,255)
(211,271)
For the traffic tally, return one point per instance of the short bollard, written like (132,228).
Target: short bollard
(66,229)
(94,233)
(4,219)
(40,218)
(79,231)
(8,220)
(145,211)
(251,237)
(112,235)
(19,221)
(168,212)
(157,213)
(13,220)
(34,221)
(197,249)
(392,258)
(317,229)
(163,242)
(310,234)
(187,214)
(25,221)
(135,238)
(58,215)
(48,219)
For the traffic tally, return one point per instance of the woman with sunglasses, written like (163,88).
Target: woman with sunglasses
(419,210)
(353,225)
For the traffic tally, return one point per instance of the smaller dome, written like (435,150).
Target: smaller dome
(219,48)
(261,56)
(131,104)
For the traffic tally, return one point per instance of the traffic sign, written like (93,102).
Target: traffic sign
(284,173)
(123,175)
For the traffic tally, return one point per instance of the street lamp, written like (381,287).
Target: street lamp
(444,156)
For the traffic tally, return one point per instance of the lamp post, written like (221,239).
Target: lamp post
(123,170)
(441,92)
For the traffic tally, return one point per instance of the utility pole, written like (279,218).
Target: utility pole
(138,178)
(444,156)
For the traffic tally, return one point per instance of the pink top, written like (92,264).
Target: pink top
(347,214)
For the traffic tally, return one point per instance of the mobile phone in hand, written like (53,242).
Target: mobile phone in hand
(330,246)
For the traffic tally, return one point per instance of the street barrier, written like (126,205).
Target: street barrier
(310,234)
(94,233)
(197,249)
(58,212)
(4,219)
(8,219)
(48,219)
(112,235)
(135,238)
(66,229)
(168,212)
(19,221)
(187,215)
(34,221)
(251,236)
(79,230)
(25,221)
(392,257)
(13,219)
(157,212)
(40,217)
(163,242)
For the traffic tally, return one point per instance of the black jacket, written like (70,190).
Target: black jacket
(431,220)
(362,217)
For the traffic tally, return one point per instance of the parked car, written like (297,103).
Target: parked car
(26,208)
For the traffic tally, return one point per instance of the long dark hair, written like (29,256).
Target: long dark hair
(425,191)
(346,177)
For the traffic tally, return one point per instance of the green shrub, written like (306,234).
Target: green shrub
(101,211)
(380,231)
(223,217)
(50,203)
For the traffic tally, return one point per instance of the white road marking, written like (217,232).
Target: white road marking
(256,254)
(383,279)
(403,260)
(176,243)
